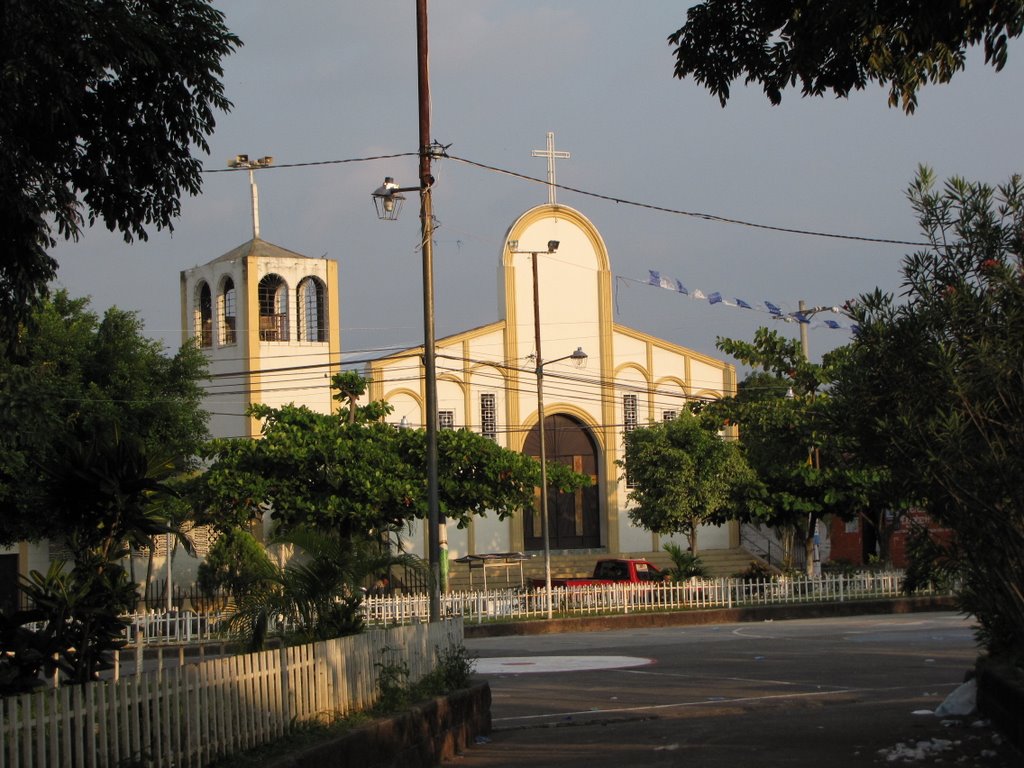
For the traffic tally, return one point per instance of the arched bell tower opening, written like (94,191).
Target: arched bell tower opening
(312,310)
(574,519)
(273,298)
(204,315)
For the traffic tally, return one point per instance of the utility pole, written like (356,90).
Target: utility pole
(804,343)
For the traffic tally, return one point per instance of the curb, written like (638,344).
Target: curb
(712,616)
(1001,697)
(420,737)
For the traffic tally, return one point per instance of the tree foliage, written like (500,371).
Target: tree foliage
(682,475)
(941,370)
(319,592)
(840,45)
(104,103)
(363,477)
(802,471)
(82,381)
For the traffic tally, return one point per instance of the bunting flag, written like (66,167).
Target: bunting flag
(806,316)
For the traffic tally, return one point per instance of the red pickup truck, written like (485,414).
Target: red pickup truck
(611,571)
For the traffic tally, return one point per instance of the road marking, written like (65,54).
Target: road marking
(518,665)
(704,703)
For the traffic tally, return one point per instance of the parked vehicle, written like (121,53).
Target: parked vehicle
(610,571)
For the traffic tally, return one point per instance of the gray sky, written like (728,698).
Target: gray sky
(322,80)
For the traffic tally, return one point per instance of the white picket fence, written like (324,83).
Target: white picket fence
(481,606)
(193,714)
(207,629)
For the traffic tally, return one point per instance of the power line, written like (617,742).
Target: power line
(597,196)
(694,214)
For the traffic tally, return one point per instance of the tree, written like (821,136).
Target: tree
(802,473)
(101,495)
(83,377)
(360,478)
(840,45)
(682,475)
(309,469)
(235,562)
(104,103)
(941,369)
(319,592)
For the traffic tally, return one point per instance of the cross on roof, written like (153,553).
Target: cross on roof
(550,154)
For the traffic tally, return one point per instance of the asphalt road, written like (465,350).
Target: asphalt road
(831,692)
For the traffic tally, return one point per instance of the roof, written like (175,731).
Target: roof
(259,247)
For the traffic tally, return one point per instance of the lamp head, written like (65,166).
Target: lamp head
(387,200)
(579,357)
(552,246)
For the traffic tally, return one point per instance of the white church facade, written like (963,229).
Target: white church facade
(487,382)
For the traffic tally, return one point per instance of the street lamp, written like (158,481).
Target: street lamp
(243,162)
(580,358)
(388,199)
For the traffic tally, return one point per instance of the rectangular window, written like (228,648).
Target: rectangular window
(446,419)
(853,526)
(669,415)
(628,425)
(488,416)
(628,413)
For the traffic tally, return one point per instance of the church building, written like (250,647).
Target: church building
(487,382)
(268,320)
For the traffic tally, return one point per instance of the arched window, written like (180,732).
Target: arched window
(228,312)
(204,315)
(273,299)
(312,310)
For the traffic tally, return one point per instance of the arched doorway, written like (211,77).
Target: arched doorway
(574,518)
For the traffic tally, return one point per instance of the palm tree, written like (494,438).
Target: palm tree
(320,591)
(104,494)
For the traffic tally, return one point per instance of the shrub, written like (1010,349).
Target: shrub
(685,564)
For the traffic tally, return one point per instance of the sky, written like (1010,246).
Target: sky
(335,80)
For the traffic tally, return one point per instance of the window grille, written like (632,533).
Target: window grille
(629,412)
(312,310)
(669,415)
(273,299)
(228,312)
(446,419)
(488,416)
(628,425)
(205,317)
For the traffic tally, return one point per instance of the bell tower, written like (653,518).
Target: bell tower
(267,320)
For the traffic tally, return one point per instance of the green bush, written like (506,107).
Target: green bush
(756,571)
(685,564)
(235,562)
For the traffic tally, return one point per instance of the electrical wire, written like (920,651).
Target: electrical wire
(595,195)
